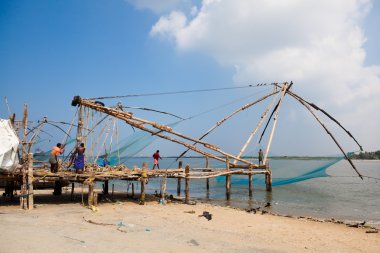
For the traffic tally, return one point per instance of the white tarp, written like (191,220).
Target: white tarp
(8,146)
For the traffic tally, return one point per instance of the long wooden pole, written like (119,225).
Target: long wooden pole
(187,184)
(128,118)
(284,89)
(179,180)
(220,122)
(30,182)
(263,116)
(329,133)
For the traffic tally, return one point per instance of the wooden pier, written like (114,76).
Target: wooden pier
(93,173)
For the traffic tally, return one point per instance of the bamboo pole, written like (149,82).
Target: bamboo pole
(268,178)
(105,189)
(30,182)
(179,180)
(139,123)
(95,199)
(72,191)
(226,118)
(24,158)
(187,187)
(90,200)
(143,181)
(284,89)
(329,133)
(228,180)
(263,116)
(207,180)
(250,182)
(113,188)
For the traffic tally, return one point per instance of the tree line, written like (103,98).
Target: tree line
(366,155)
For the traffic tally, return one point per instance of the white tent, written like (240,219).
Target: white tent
(8,146)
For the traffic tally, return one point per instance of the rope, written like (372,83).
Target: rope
(182,92)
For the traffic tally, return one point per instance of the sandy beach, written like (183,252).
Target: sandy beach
(60,225)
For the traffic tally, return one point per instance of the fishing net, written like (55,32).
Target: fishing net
(289,171)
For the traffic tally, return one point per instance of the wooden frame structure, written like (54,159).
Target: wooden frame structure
(234,164)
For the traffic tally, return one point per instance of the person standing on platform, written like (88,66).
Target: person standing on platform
(156,156)
(78,157)
(53,160)
(261,156)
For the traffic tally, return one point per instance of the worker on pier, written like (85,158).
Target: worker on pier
(156,156)
(78,157)
(105,161)
(53,160)
(261,156)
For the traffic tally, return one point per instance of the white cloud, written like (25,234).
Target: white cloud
(169,25)
(316,44)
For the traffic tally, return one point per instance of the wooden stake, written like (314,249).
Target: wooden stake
(187,184)
(105,189)
(113,187)
(95,199)
(207,180)
(143,179)
(228,180)
(30,182)
(90,200)
(250,182)
(268,178)
(72,191)
(179,180)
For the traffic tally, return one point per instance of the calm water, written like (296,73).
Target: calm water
(341,195)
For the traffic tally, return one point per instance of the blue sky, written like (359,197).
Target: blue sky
(53,50)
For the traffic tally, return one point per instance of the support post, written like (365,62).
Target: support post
(207,180)
(250,181)
(133,190)
(72,191)
(113,188)
(228,180)
(105,187)
(268,178)
(187,187)
(30,182)
(95,199)
(90,200)
(143,181)
(179,180)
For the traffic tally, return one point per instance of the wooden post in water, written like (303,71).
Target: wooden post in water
(30,182)
(228,180)
(268,178)
(72,191)
(143,181)
(105,189)
(179,180)
(113,188)
(95,199)
(250,181)
(187,187)
(90,200)
(207,180)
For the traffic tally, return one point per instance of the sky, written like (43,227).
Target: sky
(53,50)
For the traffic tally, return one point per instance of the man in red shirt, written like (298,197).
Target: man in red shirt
(156,156)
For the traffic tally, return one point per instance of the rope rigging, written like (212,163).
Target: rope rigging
(182,92)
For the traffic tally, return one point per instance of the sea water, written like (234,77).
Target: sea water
(341,195)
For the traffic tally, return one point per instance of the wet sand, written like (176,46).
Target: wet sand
(58,224)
